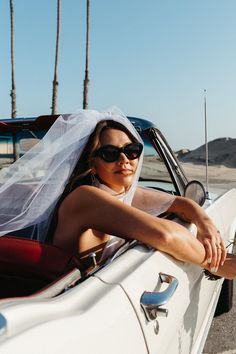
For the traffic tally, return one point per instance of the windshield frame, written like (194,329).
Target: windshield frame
(160,144)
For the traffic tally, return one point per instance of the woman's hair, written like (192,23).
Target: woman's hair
(83,170)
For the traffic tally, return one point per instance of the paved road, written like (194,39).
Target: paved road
(222,335)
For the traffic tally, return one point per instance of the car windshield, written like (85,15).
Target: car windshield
(154,172)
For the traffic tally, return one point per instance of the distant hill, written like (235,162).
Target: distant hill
(221,151)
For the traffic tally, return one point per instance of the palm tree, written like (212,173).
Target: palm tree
(86,78)
(55,80)
(13,84)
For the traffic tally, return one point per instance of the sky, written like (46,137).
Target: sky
(152,59)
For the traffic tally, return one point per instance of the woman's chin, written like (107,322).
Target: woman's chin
(126,182)
(120,184)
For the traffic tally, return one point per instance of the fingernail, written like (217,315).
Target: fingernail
(209,260)
(214,270)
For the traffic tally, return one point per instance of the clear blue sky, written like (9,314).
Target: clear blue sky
(152,59)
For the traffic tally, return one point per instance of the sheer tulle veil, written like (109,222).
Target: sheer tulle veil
(30,188)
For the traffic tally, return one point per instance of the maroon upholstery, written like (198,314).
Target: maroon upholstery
(28,265)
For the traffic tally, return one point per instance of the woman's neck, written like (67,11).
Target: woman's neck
(100,185)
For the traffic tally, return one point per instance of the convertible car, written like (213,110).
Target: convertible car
(139,301)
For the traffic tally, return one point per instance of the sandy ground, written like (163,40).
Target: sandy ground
(220,178)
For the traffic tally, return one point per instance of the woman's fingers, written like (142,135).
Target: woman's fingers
(218,253)
(219,256)
(213,255)
(214,248)
(208,249)
(215,258)
(223,252)
(221,246)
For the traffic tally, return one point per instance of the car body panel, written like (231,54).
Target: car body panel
(89,318)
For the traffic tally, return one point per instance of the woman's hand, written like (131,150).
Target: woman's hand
(207,233)
(213,243)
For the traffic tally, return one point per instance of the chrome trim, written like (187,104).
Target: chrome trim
(151,301)
(3,324)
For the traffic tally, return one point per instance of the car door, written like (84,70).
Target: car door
(93,317)
(188,299)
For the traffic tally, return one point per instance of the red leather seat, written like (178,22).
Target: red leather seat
(27,265)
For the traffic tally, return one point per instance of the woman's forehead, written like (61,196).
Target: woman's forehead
(114,137)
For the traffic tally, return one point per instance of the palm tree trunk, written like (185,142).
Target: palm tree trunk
(55,82)
(13,84)
(86,78)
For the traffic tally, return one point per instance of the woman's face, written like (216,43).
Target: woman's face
(116,175)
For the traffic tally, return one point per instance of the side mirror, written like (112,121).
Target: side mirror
(195,190)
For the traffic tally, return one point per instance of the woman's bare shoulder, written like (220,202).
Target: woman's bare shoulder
(84,196)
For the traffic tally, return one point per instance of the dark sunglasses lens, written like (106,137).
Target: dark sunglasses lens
(109,153)
(133,151)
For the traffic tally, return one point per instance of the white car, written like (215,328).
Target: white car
(139,301)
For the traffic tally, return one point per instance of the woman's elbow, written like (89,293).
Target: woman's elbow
(164,240)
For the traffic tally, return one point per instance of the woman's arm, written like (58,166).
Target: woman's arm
(207,233)
(88,207)
(156,202)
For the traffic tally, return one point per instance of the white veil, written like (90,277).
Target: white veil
(31,187)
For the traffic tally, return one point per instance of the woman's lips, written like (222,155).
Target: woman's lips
(124,172)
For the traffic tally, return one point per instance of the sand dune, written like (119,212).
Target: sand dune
(221,160)
(221,151)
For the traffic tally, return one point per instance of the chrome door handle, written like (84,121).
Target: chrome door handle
(151,301)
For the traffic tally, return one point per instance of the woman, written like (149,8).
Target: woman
(96,201)
(105,173)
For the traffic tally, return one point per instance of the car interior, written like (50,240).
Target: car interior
(28,267)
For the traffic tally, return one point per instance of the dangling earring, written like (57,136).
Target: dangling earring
(93,178)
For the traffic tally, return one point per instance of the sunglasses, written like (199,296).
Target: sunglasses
(111,153)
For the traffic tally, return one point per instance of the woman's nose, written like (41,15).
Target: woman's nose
(123,158)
